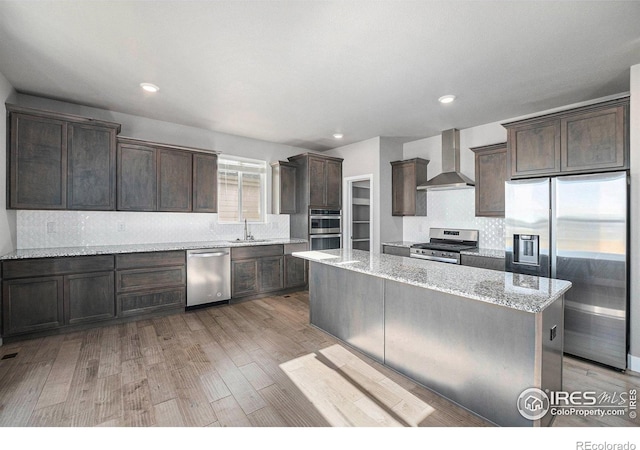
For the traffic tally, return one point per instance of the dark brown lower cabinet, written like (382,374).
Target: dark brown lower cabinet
(32,304)
(260,269)
(295,271)
(89,297)
(48,293)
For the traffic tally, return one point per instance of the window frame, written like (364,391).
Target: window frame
(224,164)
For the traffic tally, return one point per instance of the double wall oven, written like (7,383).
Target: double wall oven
(325,229)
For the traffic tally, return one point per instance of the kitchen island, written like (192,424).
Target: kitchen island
(478,337)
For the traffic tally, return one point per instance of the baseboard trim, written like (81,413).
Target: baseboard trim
(633,363)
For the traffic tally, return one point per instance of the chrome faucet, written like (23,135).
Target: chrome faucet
(247,234)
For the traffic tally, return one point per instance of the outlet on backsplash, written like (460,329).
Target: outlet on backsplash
(51,227)
(121,226)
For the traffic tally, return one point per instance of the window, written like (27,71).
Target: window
(241,190)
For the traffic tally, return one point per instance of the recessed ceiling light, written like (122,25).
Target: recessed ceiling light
(149,87)
(447,98)
(338,135)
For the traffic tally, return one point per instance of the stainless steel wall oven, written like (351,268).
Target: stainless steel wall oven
(325,229)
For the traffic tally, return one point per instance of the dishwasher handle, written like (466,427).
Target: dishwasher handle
(207,255)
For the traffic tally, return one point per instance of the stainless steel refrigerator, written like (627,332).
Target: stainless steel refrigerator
(576,228)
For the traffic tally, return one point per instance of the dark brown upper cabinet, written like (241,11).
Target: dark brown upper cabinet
(60,161)
(589,139)
(406,176)
(205,182)
(175,182)
(491,173)
(137,183)
(319,181)
(283,183)
(159,177)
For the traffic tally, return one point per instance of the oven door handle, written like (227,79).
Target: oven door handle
(316,236)
(436,258)
(326,217)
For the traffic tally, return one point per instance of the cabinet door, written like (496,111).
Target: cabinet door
(89,297)
(403,185)
(175,183)
(534,149)
(334,185)
(594,140)
(205,183)
(317,182)
(244,277)
(271,276)
(38,163)
(92,167)
(136,178)
(287,190)
(32,304)
(491,173)
(295,271)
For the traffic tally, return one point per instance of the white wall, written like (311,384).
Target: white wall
(363,158)
(7,218)
(634,362)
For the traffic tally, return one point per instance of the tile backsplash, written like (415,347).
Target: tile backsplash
(49,229)
(454,209)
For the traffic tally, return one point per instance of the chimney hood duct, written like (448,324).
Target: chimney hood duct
(451,177)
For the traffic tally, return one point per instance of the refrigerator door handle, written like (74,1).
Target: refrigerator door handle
(553,243)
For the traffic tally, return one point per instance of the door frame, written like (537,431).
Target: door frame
(347,212)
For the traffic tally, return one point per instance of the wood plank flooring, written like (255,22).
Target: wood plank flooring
(258,363)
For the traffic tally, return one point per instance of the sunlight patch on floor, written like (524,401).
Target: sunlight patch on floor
(349,392)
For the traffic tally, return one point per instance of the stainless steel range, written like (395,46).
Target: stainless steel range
(445,245)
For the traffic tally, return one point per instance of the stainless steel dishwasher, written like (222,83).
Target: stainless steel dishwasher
(208,276)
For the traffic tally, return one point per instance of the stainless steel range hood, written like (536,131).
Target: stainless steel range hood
(451,177)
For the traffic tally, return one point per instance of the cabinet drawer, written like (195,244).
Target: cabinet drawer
(151,259)
(56,266)
(483,262)
(149,301)
(136,279)
(290,248)
(256,251)
(398,251)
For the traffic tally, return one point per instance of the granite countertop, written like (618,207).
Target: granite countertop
(406,244)
(522,292)
(484,252)
(138,248)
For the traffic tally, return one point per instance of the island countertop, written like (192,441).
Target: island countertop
(139,248)
(522,292)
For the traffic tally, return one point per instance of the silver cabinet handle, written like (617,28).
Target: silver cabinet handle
(207,255)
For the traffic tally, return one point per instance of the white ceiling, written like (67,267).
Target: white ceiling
(296,72)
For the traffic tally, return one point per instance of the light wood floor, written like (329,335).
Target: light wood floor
(256,363)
